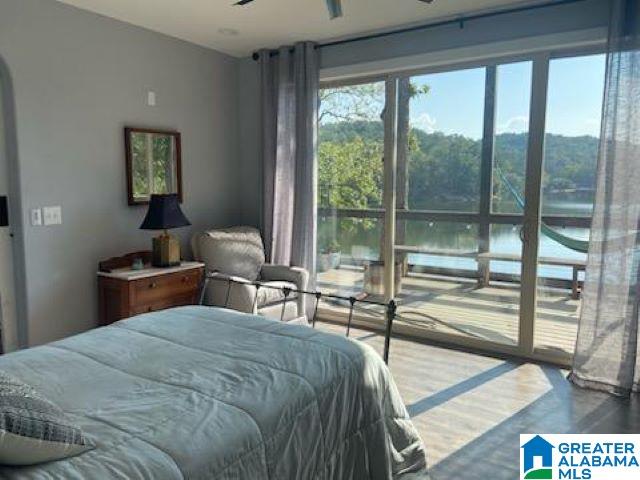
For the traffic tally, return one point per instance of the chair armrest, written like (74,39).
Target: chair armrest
(241,293)
(297,275)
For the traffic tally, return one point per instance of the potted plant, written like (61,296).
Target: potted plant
(329,256)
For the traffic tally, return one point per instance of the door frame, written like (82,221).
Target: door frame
(532,202)
(389,185)
(16,220)
(531,217)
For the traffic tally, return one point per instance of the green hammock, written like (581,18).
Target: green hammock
(581,246)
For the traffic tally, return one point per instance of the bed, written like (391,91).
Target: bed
(209,393)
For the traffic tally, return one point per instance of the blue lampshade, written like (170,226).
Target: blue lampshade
(164,213)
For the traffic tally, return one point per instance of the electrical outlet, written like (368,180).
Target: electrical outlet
(36,217)
(52,215)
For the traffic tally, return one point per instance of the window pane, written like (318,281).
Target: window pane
(350,146)
(441,238)
(513,98)
(350,177)
(574,108)
(446,119)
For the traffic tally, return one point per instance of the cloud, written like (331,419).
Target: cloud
(425,122)
(516,124)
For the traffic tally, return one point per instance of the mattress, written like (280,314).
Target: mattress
(208,393)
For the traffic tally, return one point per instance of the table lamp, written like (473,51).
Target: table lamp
(164,213)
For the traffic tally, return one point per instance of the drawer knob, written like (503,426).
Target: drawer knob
(185,279)
(152,285)
(150,309)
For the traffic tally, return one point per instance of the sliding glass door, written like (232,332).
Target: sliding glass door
(440,228)
(572,131)
(350,193)
(494,168)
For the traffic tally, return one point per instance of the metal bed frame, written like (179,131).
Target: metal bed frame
(390,307)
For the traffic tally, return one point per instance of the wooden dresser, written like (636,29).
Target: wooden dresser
(125,292)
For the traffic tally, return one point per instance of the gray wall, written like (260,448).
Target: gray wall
(78,79)
(250,150)
(581,16)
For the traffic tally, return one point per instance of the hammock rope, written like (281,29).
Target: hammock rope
(581,246)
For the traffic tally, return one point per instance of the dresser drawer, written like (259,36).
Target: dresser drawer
(150,291)
(163,304)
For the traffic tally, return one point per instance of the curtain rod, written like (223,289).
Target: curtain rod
(460,21)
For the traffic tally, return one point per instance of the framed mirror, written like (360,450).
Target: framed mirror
(153,160)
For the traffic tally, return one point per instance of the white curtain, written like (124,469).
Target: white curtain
(607,356)
(289,88)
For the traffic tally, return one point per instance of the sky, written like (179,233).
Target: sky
(455,102)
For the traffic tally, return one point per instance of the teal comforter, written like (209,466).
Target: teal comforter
(208,393)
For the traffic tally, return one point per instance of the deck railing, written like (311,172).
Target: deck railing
(484,236)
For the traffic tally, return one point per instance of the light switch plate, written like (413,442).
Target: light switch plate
(52,215)
(36,217)
(151,98)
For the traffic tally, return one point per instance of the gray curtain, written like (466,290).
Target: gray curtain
(289,88)
(607,356)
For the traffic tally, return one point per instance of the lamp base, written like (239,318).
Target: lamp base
(166,251)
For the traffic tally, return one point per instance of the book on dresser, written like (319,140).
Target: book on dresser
(124,292)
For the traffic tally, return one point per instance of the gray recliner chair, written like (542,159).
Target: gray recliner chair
(237,253)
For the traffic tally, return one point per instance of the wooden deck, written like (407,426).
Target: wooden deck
(457,306)
(470,409)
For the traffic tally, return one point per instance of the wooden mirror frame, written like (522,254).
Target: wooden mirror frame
(128,131)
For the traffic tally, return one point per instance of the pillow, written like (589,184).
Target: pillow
(32,429)
(236,251)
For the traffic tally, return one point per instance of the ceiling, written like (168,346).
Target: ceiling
(239,30)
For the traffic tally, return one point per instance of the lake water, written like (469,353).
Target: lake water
(360,239)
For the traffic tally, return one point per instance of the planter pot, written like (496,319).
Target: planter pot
(374,278)
(328,261)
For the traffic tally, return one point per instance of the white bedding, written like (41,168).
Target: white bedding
(208,393)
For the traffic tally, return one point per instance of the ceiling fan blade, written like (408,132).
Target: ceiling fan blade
(335,8)
(243,2)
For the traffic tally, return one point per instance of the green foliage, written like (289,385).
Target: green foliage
(444,170)
(350,173)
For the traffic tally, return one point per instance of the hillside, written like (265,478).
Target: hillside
(444,170)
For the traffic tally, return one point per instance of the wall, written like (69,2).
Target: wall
(250,150)
(78,79)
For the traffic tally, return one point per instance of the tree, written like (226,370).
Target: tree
(350,174)
(354,107)
(363,105)
(351,103)
(406,144)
